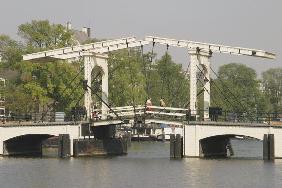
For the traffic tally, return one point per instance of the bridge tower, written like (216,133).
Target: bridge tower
(200,54)
(94,54)
(90,62)
(199,58)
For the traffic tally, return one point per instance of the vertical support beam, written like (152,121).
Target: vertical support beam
(178,147)
(265,147)
(64,148)
(193,81)
(268,147)
(1,147)
(89,63)
(102,62)
(199,58)
(271,147)
(204,60)
(75,148)
(88,66)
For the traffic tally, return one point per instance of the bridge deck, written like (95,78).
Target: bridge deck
(225,123)
(21,124)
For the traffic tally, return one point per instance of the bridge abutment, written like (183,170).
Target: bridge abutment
(202,139)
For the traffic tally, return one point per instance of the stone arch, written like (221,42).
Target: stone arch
(97,74)
(210,131)
(27,144)
(219,145)
(230,135)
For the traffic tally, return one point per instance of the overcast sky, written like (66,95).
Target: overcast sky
(246,23)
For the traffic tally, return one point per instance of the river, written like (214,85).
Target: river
(146,165)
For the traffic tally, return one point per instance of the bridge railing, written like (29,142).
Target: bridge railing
(142,113)
(248,117)
(149,112)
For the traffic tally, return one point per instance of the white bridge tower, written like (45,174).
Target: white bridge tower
(200,55)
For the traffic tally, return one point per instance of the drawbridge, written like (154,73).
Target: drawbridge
(96,54)
(143,115)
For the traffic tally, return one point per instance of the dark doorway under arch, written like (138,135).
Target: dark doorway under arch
(221,146)
(25,145)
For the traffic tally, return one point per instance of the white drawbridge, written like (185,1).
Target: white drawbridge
(200,55)
(95,54)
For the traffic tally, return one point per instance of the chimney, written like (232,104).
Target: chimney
(68,25)
(87,31)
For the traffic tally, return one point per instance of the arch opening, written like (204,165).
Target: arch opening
(25,145)
(97,74)
(231,146)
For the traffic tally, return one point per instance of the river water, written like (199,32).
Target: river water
(146,165)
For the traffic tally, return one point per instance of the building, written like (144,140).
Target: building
(80,36)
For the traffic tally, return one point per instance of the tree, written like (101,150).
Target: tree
(127,83)
(10,50)
(272,86)
(169,82)
(57,80)
(237,89)
(41,34)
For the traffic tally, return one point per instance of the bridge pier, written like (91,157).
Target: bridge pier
(176,146)
(64,146)
(268,147)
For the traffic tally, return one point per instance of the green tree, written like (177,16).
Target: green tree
(169,81)
(10,50)
(57,81)
(237,90)
(272,85)
(17,100)
(127,83)
(41,34)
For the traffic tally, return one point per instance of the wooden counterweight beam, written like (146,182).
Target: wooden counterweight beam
(87,49)
(212,48)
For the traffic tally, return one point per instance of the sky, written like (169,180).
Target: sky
(245,23)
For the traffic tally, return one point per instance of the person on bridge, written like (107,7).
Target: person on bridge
(162,103)
(149,104)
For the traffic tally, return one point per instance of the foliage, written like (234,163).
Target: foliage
(43,35)
(272,85)
(127,83)
(169,82)
(237,90)
(17,100)
(37,85)
(10,51)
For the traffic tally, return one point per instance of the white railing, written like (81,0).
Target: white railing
(152,111)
